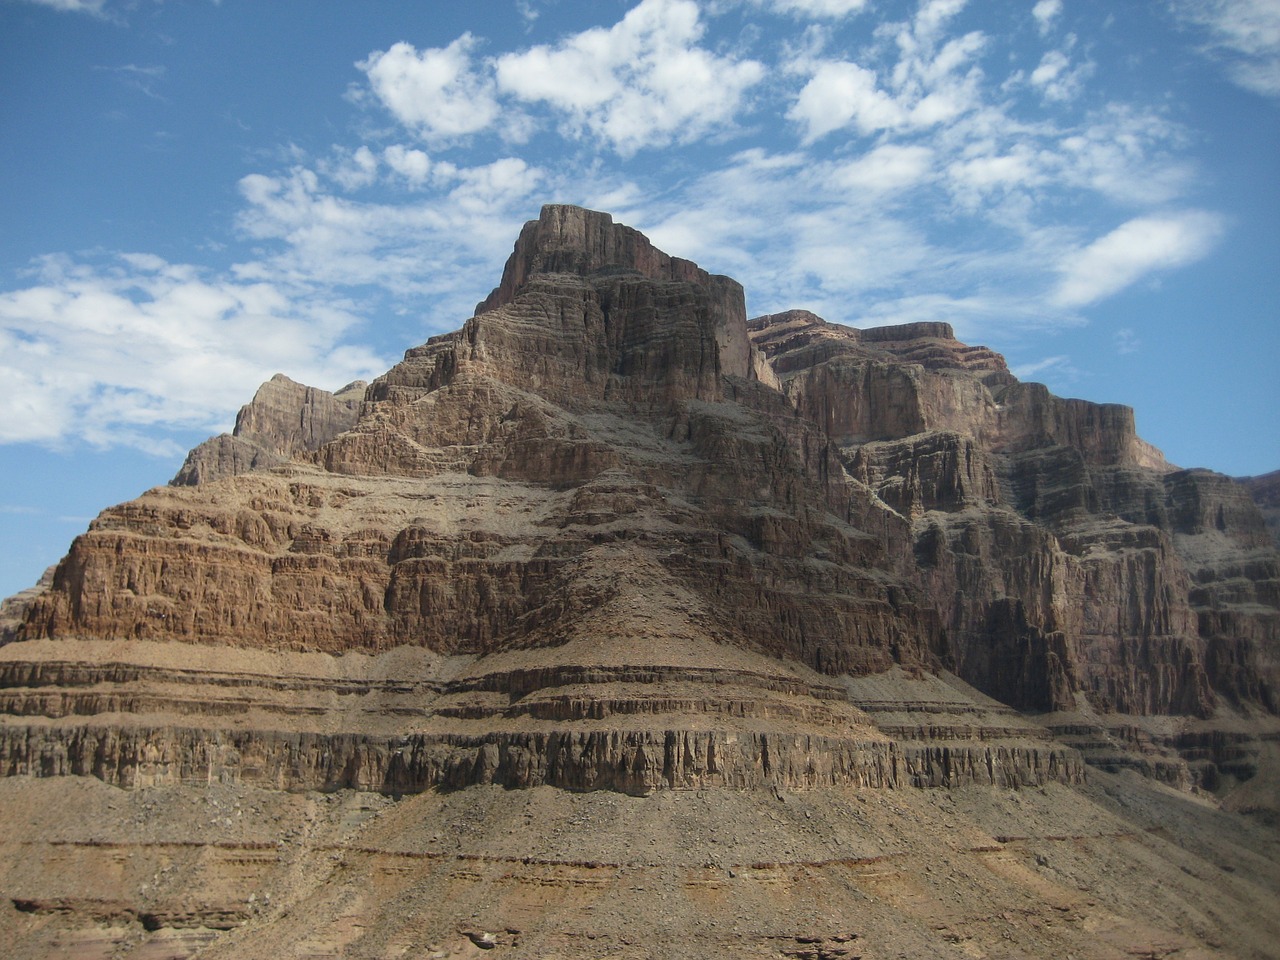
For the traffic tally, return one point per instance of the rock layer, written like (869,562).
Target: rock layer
(629,540)
(1067,558)
(283,418)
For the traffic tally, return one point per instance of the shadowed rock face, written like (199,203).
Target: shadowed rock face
(1265,491)
(1065,556)
(627,540)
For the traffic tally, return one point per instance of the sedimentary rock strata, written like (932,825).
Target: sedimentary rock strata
(670,634)
(283,418)
(1066,557)
(607,487)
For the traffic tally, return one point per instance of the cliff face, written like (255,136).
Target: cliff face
(630,539)
(1265,491)
(1066,557)
(283,418)
(605,425)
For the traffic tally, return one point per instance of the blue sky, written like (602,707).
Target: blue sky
(197,195)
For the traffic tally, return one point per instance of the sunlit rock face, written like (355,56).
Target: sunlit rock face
(611,535)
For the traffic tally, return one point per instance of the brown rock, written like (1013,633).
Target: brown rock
(626,536)
(1265,491)
(283,418)
(1060,548)
(649,632)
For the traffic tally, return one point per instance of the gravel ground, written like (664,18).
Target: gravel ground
(1121,867)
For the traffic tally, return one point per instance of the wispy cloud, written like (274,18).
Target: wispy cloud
(1244,34)
(1127,341)
(122,352)
(145,80)
(815,9)
(1057,79)
(427,247)
(96,8)
(1133,250)
(528,12)
(1046,13)
(932,80)
(1058,368)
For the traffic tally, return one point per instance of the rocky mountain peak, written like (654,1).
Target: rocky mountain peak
(586,243)
(590,312)
(283,418)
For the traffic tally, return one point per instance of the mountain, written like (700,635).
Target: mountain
(726,630)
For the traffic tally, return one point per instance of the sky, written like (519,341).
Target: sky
(196,195)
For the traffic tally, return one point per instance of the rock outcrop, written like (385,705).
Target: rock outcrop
(609,534)
(1066,557)
(283,418)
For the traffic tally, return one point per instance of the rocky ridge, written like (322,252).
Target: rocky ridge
(610,535)
(283,418)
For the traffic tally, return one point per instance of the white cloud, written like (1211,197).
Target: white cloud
(641,83)
(126,352)
(815,9)
(1126,155)
(436,92)
(92,7)
(1060,369)
(975,177)
(1246,33)
(413,165)
(528,13)
(929,21)
(494,186)
(1132,251)
(842,93)
(354,169)
(886,169)
(929,83)
(872,252)
(439,250)
(1055,78)
(1046,12)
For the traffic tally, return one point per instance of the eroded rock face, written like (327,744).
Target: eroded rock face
(283,418)
(1065,555)
(635,762)
(630,538)
(1265,491)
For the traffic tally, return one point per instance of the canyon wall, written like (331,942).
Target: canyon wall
(632,541)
